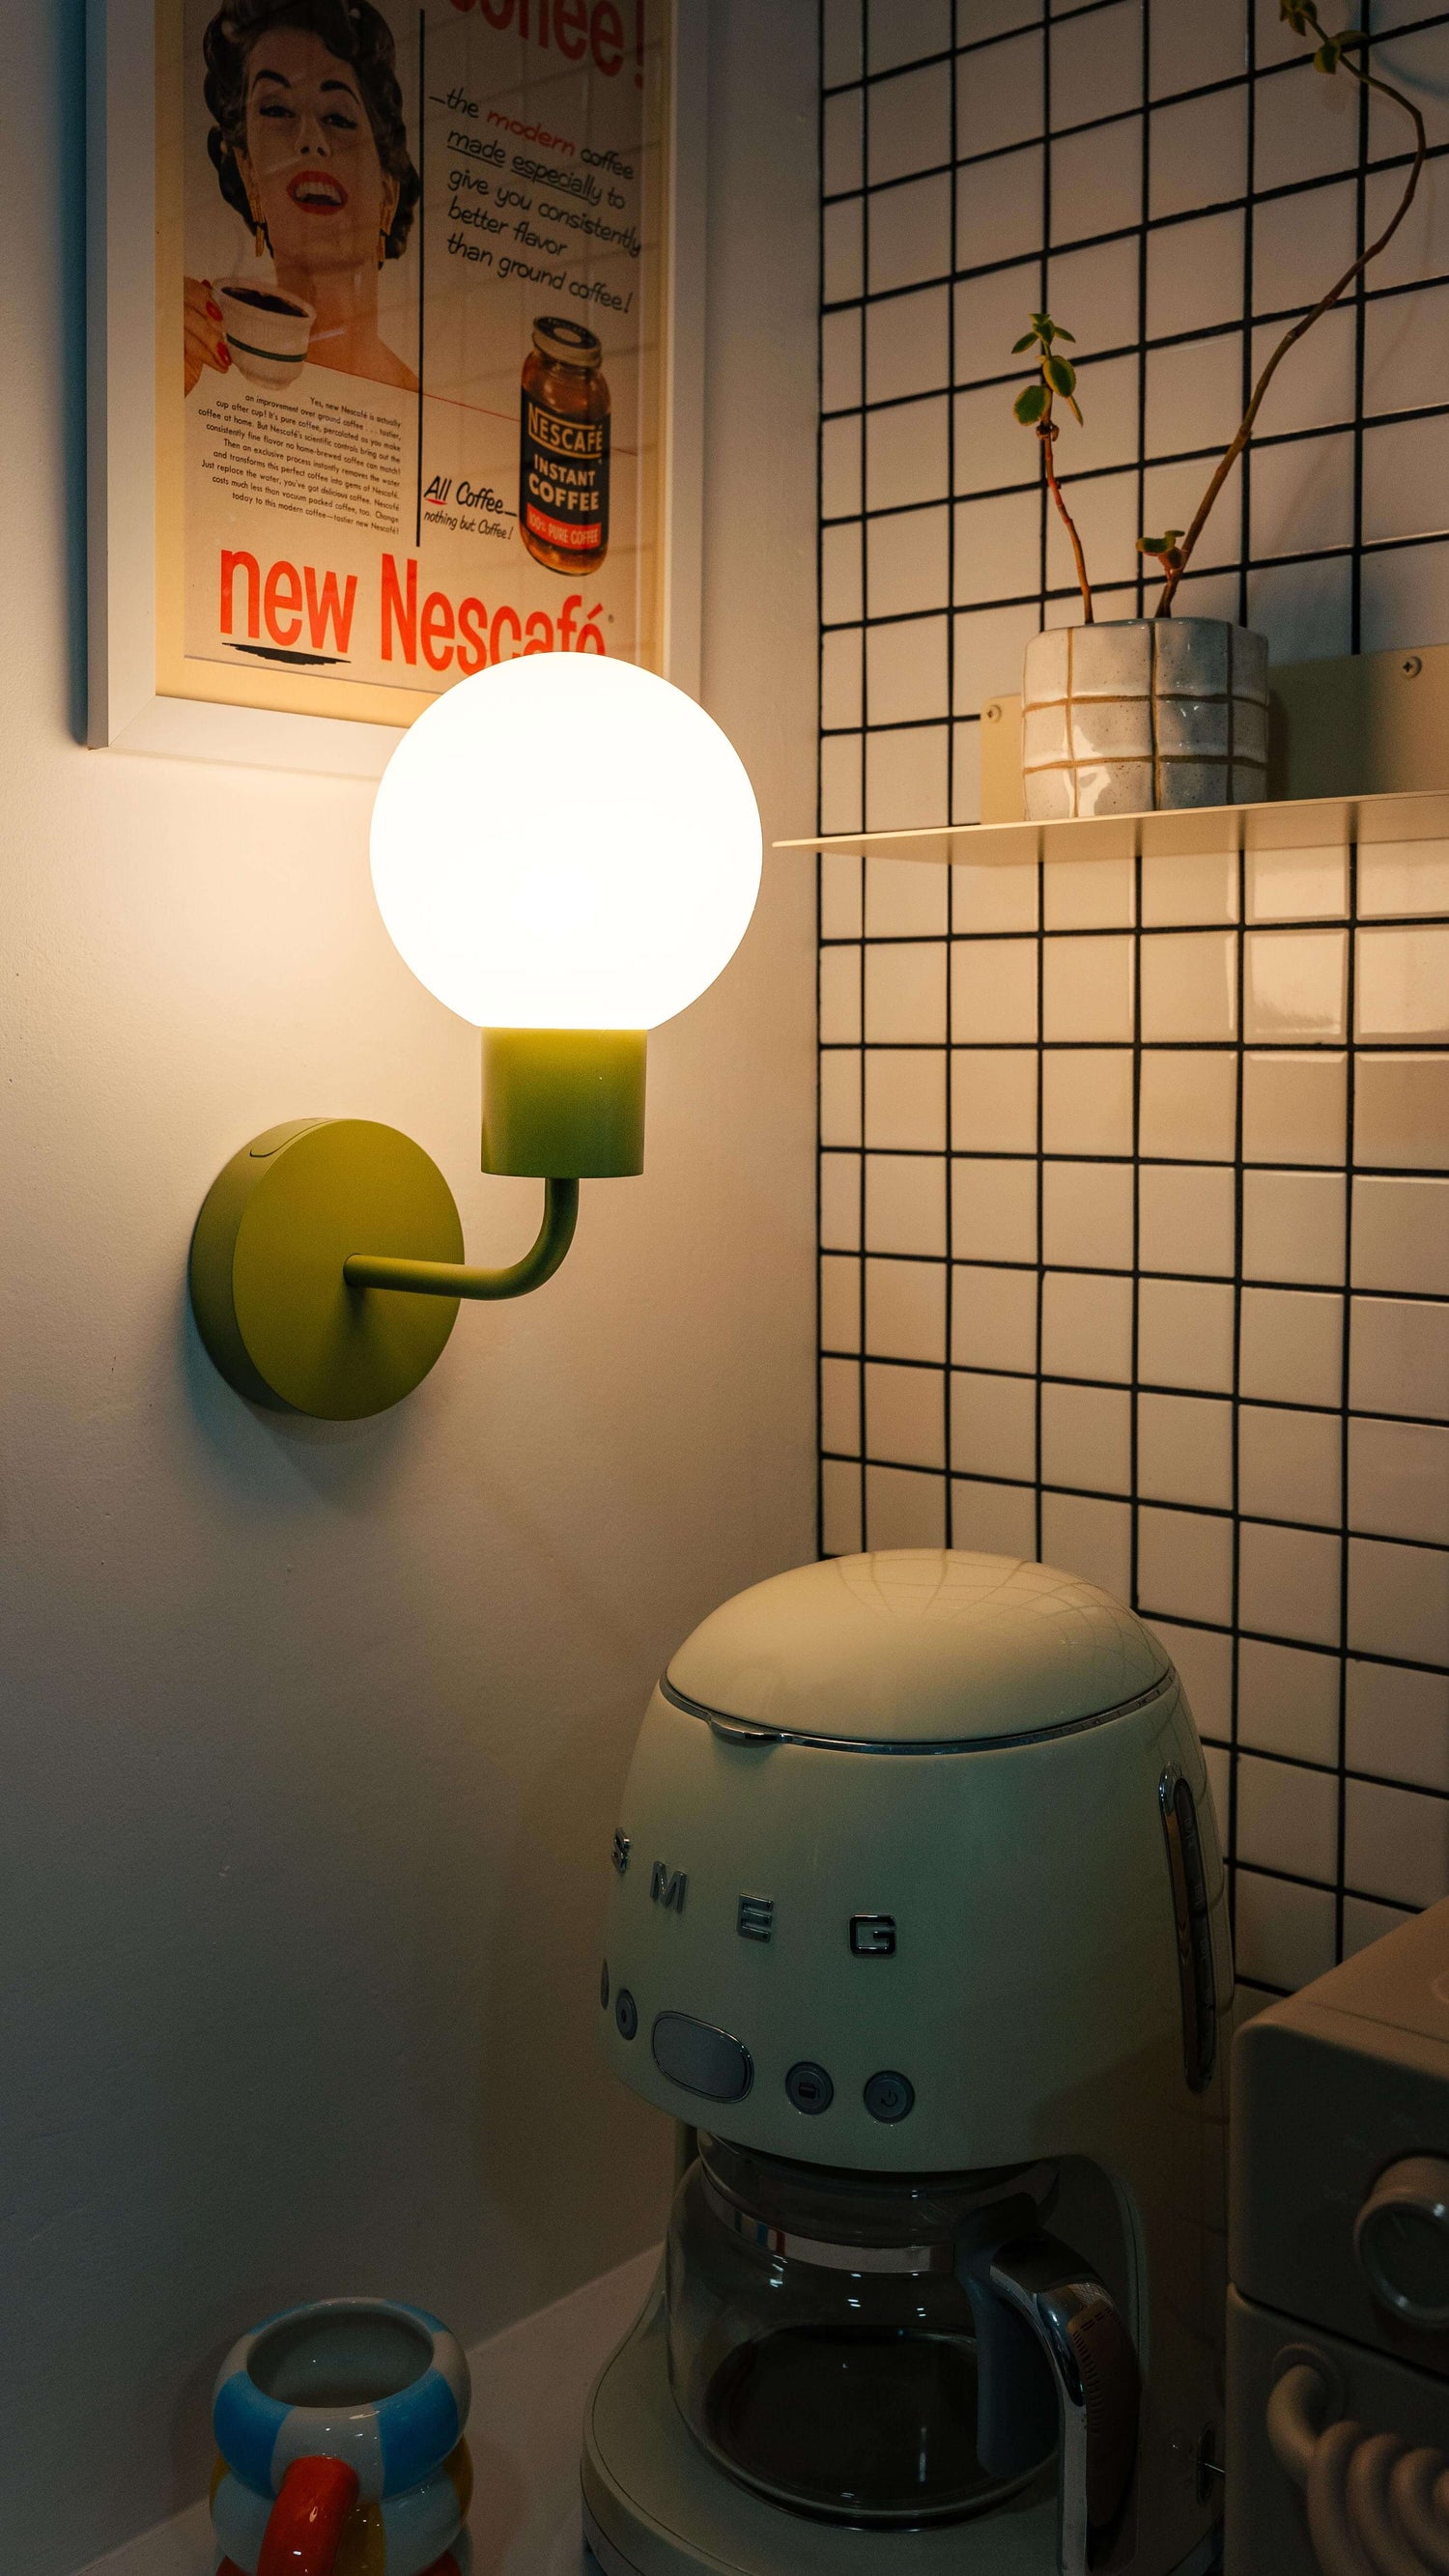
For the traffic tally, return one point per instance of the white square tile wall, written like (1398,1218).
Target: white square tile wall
(1134,1183)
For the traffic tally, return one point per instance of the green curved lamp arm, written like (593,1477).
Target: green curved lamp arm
(456,1279)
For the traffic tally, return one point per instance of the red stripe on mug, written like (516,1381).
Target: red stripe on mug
(305,2526)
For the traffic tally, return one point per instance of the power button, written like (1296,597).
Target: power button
(889,2096)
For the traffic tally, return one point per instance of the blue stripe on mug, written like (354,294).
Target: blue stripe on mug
(246,2425)
(418,2427)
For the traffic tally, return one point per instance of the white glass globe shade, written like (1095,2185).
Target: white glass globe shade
(564,841)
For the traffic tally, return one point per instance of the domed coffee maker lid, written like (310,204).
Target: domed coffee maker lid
(917,1646)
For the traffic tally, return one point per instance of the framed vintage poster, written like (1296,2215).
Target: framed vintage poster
(396,358)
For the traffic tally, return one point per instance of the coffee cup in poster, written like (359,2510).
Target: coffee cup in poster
(266,331)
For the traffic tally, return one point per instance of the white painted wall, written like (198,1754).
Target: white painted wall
(311,1736)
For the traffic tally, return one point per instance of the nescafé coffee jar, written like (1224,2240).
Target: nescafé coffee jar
(563,464)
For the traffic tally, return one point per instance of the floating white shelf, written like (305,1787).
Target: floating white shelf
(1299,823)
(1358,751)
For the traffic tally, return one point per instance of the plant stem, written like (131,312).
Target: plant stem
(1368,80)
(1047,434)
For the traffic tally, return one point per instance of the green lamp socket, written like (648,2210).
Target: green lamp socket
(564,1103)
(326,1266)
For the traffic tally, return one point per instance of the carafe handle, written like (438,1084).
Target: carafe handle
(1047,2327)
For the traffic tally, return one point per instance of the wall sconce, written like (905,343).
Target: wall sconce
(566,851)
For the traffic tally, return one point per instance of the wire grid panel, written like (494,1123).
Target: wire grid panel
(1134,1216)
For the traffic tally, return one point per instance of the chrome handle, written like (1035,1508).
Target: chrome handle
(1192,1918)
(1088,2351)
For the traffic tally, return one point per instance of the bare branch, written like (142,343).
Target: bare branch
(1047,434)
(1244,431)
(1033,408)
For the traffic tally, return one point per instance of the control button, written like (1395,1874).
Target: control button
(626,2014)
(809,2087)
(701,2058)
(1402,2240)
(604,1986)
(889,2096)
(873,1936)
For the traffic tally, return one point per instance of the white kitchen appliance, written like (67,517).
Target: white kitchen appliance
(1338,2318)
(918,1909)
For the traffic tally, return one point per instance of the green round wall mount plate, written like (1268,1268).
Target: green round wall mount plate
(267,1289)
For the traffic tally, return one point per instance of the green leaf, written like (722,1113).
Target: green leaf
(1030,403)
(1061,375)
(1326,58)
(1076,410)
(1066,335)
(1163,545)
(1029,342)
(1294,14)
(1045,328)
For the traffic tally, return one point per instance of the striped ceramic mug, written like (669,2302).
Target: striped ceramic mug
(340,2432)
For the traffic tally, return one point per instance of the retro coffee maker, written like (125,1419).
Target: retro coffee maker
(917,1928)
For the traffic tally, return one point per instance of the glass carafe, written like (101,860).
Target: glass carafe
(821,2346)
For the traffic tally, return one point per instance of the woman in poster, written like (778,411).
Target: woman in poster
(310,147)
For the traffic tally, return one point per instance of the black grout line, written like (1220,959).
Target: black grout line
(1171,221)
(1002,384)
(1345,1566)
(1368,1655)
(935,279)
(1032,26)
(1144,182)
(1109,1270)
(1339,1535)
(1129,1388)
(1250,29)
(1360,324)
(820,815)
(1044,553)
(945,495)
(1235,1416)
(1222,1514)
(1270,927)
(1329,1771)
(1319,182)
(1297,1878)
(947,1381)
(864,780)
(1134,1362)
(1099,1161)
(941,608)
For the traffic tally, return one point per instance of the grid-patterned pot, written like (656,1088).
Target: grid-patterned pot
(1142,715)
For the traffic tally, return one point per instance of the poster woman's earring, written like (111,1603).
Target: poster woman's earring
(381,244)
(259,239)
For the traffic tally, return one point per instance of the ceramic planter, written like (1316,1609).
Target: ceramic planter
(1144,715)
(340,2428)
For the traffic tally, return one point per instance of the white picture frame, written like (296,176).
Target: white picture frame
(125,710)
